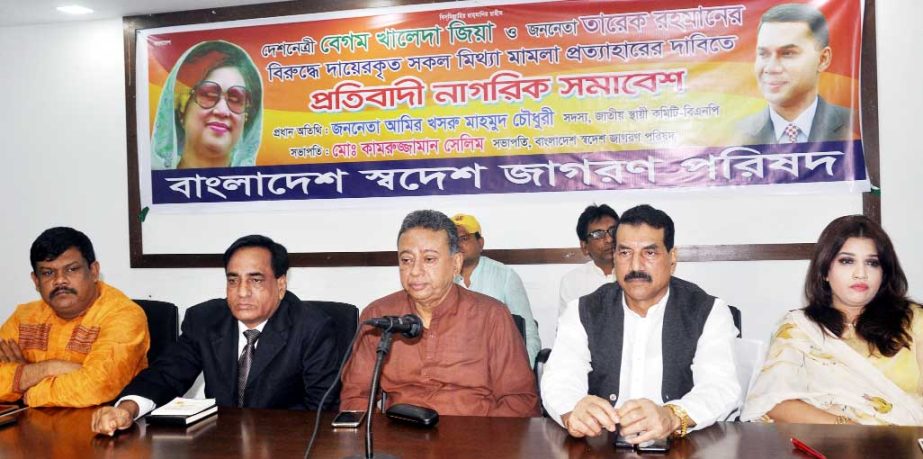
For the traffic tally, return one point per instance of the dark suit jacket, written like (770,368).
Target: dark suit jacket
(294,363)
(831,122)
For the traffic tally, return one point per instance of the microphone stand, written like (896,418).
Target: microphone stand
(384,346)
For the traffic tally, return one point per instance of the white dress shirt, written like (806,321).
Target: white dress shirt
(146,405)
(715,392)
(804,122)
(580,281)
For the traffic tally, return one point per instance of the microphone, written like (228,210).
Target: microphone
(408,325)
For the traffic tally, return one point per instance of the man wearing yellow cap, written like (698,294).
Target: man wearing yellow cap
(492,278)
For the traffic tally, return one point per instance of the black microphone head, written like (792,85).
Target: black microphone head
(415,328)
(408,325)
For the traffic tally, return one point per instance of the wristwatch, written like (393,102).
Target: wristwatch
(680,413)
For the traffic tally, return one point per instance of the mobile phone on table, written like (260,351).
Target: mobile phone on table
(658,446)
(348,419)
(618,440)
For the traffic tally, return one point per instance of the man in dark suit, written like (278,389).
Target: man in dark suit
(792,50)
(259,348)
(830,122)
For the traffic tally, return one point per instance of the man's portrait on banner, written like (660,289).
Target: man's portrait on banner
(792,51)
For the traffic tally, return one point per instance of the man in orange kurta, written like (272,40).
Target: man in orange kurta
(82,342)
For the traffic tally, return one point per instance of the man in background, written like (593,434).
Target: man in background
(494,279)
(594,230)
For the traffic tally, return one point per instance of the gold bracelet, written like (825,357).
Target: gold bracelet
(680,413)
(841,420)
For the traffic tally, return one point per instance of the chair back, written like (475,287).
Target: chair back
(735,315)
(520,325)
(539,368)
(346,319)
(162,325)
(749,355)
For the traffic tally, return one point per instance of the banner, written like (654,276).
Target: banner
(467,98)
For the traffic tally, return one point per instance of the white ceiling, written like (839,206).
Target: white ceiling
(28,12)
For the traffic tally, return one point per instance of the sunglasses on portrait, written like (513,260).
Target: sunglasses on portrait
(206,94)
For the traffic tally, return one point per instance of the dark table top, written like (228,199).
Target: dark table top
(254,433)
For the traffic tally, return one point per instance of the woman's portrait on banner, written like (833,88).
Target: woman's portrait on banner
(210,110)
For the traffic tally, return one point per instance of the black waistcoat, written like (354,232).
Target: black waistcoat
(602,317)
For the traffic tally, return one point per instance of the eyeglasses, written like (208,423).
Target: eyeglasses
(601,233)
(207,94)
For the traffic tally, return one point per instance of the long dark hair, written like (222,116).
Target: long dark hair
(885,320)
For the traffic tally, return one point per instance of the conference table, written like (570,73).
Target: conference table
(252,433)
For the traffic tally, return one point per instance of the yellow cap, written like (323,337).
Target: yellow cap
(468,222)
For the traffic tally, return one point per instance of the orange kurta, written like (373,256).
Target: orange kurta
(110,340)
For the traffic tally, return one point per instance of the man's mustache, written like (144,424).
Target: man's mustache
(638,275)
(60,290)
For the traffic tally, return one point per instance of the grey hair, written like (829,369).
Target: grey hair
(432,220)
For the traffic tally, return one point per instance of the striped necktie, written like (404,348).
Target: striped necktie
(243,364)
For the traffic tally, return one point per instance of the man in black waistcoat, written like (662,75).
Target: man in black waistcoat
(651,352)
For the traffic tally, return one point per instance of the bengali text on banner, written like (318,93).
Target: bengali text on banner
(464,98)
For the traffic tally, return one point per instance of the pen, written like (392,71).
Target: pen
(612,399)
(798,444)
(8,413)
